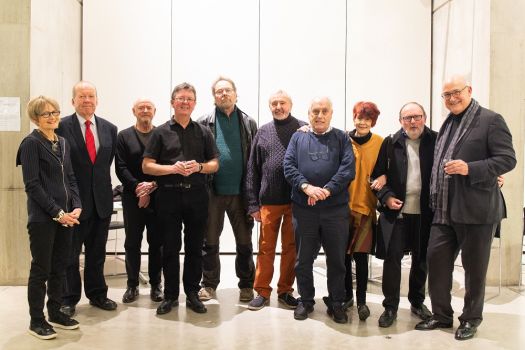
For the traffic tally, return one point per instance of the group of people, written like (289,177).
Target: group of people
(437,194)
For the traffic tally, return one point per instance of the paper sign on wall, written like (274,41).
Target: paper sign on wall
(9,113)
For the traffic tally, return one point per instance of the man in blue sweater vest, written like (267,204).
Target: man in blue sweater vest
(319,165)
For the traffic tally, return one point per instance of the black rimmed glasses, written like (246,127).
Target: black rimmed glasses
(408,118)
(455,93)
(49,114)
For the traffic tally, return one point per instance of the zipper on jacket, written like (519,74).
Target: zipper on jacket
(63,177)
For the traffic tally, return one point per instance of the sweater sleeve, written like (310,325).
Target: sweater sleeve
(291,170)
(346,171)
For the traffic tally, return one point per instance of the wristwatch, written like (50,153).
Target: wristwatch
(59,216)
(304,186)
(200,167)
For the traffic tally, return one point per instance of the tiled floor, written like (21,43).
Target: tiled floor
(230,325)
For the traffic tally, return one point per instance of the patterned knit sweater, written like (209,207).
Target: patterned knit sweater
(265,182)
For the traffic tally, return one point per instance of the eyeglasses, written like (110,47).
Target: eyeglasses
(184,99)
(49,114)
(221,92)
(408,118)
(455,93)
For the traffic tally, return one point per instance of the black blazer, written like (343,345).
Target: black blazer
(49,180)
(94,180)
(487,149)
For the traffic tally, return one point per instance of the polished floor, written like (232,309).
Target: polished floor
(230,325)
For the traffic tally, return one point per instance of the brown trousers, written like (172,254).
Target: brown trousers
(271,218)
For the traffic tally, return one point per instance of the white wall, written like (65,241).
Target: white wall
(388,57)
(348,50)
(461,44)
(126,53)
(55,53)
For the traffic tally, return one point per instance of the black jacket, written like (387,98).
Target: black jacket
(49,180)
(94,180)
(248,130)
(392,161)
(488,151)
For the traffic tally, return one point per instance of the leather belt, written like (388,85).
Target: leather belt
(182,186)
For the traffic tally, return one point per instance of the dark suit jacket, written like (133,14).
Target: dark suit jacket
(94,180)
(487,149)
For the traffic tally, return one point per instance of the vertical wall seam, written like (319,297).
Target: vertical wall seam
(346,60)
(259,65)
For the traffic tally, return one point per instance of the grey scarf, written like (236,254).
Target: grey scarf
(439,184)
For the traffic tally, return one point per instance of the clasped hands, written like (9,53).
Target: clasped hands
(186,168)
(315,194)
(143,191)
(71,218)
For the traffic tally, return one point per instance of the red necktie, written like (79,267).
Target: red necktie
(90,142)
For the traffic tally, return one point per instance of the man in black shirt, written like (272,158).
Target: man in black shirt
(137,203)
(180,153)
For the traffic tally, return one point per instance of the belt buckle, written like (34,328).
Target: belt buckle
(185,186)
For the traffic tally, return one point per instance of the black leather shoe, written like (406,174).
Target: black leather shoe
(337,313)
(42,330)
(193,302)
(68,310)
(103,303)
(348,303)
(421,311)
(156,294)
(387,318)
(466,330)
(302,310)
(166,306)
(130,295)
(363,311)
(431,324)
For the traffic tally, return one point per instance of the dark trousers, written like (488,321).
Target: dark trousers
(445,242)
(93,234)
(361,273)
(50,244)
(316,227)
(405,235)
(135,220)
(176,207)
(242,225)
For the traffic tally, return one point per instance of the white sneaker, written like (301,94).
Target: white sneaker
(207,293)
